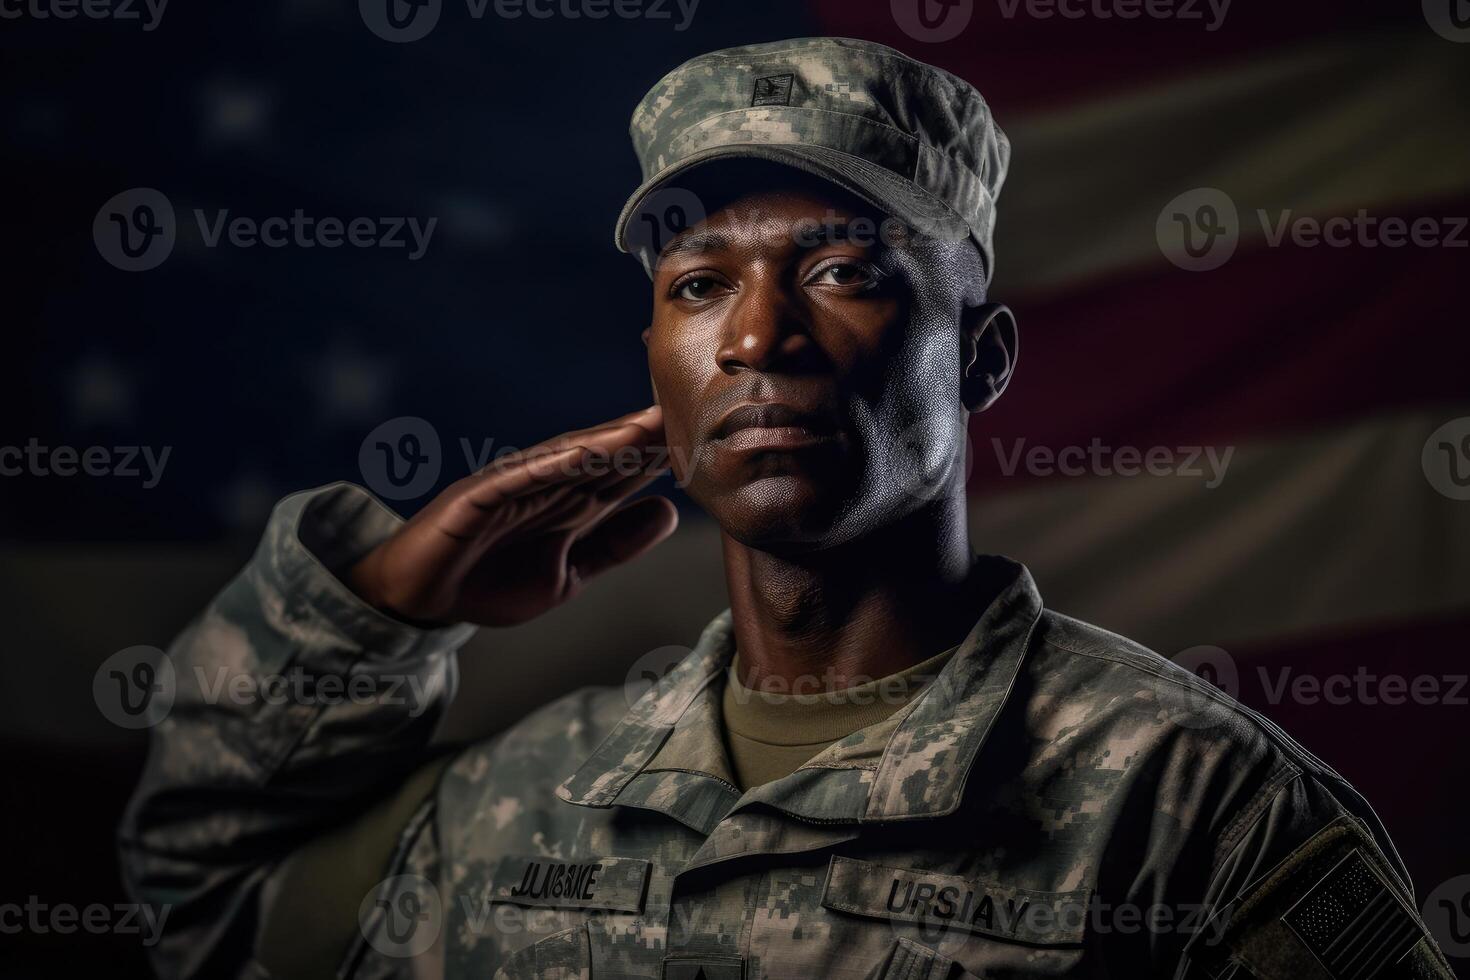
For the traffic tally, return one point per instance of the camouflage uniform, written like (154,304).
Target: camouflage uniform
(1060,802)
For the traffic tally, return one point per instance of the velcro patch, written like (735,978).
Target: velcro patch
(612,883)
(773,90)
(944,901)
(1353,922)
(1332,909)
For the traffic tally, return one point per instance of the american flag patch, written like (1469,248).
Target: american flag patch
(1353,922)
(773,90)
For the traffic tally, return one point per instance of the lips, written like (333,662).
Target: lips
(772,426)
(771,415)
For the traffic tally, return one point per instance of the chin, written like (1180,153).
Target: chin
(781,515)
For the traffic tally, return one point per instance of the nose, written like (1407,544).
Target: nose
(768,331)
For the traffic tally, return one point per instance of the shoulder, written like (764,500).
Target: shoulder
(1213,765)
(1117,682)
(542,749)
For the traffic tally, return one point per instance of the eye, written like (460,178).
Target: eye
(848,273)
(694,287)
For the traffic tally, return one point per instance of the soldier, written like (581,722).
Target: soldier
(971,785)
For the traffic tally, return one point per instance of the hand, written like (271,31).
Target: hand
(524,534)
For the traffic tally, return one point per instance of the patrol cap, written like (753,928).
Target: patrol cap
(913,140)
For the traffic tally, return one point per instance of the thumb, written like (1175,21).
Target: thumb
(623,535)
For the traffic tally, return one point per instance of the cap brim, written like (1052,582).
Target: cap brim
(883,189)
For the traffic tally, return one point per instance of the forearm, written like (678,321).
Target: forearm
(295,704)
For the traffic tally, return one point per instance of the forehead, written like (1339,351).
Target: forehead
(794,216)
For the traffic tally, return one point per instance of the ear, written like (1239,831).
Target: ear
(988,353)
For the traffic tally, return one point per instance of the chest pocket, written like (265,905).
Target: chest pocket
(911,961)
(566,955)
(591,886)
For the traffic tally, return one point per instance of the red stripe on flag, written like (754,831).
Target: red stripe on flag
(1333,694)
(1023,61)
(1277,340)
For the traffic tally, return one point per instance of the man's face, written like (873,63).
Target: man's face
(809,373)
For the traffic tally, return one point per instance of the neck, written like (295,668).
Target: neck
(862,610)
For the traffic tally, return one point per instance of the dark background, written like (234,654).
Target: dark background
(263,369)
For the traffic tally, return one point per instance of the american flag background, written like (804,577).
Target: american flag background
(1234,233)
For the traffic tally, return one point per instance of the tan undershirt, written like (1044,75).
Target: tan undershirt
(772,735)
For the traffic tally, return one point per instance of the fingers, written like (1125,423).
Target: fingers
(623,535)
(616,451)
(558,479)
(644,423)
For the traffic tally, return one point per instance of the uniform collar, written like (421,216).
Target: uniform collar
(920,773)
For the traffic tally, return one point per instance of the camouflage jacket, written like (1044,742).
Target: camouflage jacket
(1059,802)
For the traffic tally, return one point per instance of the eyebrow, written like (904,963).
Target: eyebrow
(696,242)
(807,235)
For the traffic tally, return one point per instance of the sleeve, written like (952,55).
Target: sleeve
(294,706)
(1312,889)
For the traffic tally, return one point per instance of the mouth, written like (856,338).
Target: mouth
(772,426)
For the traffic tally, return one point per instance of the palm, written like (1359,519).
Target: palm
(507,544)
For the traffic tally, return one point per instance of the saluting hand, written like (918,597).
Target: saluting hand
(521,536)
